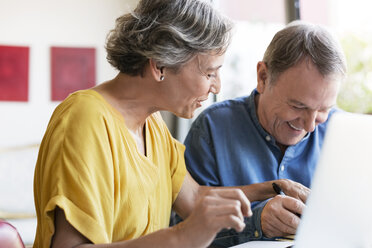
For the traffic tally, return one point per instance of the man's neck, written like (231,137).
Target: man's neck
(282,147)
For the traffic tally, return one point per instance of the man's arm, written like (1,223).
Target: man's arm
(259,191)
(279,215)
(276,217)
(187,199)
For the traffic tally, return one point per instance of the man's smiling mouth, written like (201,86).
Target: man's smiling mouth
(294,127)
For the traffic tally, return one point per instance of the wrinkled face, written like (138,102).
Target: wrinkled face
(190,86)
(296,102)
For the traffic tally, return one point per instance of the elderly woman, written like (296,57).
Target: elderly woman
(108,171)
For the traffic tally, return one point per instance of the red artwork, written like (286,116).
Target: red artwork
(72,69)
(14,73)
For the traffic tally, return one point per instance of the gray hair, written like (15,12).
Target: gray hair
(300,40)
(171,32)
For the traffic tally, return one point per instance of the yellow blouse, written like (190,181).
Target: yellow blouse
(89,166)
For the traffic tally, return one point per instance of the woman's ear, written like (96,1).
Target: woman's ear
(156,72)
(262,77)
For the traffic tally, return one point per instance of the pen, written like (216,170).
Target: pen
(277,189)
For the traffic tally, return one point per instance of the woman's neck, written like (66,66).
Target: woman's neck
(128,95)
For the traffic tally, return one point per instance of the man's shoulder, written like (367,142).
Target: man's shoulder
(223,113)
(230,106)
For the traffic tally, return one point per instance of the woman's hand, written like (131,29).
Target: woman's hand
(215,210)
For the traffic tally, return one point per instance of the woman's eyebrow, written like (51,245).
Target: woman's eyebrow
(214,67)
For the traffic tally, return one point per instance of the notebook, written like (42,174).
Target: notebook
(339,208)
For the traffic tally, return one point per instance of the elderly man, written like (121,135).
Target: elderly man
(275,133)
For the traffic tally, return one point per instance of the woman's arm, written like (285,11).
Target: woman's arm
(66,236)
(207,210)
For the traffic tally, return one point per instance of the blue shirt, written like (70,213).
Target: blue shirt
(227,146)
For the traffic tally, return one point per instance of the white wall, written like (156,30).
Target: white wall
(40,24)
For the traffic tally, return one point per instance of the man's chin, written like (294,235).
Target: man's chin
(293,141)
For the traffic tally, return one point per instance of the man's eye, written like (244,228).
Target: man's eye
(297,107)
(211,75)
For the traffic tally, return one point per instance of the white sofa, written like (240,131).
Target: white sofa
(17,166)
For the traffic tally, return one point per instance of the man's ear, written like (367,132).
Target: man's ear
(156,72)
(262,77)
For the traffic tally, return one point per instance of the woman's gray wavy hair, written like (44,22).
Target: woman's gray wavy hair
(171,32)
(300,40)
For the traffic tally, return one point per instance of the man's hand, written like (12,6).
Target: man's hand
(293,189)
(280,216)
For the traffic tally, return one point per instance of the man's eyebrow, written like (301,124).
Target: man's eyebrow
(298,103)
(329,107)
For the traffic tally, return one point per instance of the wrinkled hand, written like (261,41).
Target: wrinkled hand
(280,216)
(293,189)
(217,209)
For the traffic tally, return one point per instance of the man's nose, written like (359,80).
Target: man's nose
(310,120)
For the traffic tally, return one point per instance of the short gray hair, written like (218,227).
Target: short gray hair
(171,32)
(300,40)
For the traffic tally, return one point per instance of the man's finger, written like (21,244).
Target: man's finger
(293,205)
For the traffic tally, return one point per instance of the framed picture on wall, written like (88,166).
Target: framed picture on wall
(72,69)
(14,71)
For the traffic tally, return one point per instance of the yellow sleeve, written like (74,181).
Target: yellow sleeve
(75,172)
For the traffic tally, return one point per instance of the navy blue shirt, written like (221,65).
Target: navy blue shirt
(227,146)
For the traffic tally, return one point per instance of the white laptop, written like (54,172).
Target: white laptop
(339,208)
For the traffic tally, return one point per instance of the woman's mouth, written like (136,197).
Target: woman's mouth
(202,100)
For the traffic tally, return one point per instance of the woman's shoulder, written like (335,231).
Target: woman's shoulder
(82,103)
(84,106)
